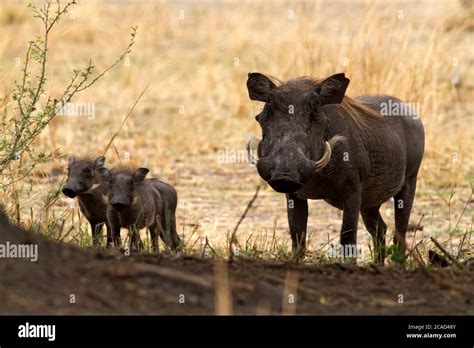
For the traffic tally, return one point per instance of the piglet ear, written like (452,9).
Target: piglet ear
(99,162)
(139,174)
(259,86)
(103,173)
(333,88)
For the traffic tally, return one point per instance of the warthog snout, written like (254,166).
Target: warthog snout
(285,176)
(119,206)
(69,191)
(284,183)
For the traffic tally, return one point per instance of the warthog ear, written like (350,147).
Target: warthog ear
(258,86)
(99,162)
(103,173)
(333,88)
(139,174)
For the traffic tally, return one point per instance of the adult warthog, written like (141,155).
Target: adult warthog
(318,143)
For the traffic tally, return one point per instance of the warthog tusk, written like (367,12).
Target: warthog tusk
(325,159)
(251,158)
(320,164)
(94,186)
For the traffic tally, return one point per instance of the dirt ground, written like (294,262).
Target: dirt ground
(70,280)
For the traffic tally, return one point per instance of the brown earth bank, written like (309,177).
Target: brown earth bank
(70,280)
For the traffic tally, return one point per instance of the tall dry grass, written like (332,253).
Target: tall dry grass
(195,58)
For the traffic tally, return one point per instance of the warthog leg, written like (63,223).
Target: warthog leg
(377,228)
(96,228)
(403,201)
(110,238)
(155,231)
(135,240)
(298,220)
(350,218)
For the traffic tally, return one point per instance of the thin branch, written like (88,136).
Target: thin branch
(233,238)
(127,50)
(30,124)
(25,76)
(124,120)
(445,252)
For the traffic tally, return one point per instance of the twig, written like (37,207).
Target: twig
(445,252)
(124,120)
(210,247)
(461,245)
(456,227)
(122,56)
(440,282)
(416,257)
(242,217)
(416,229)
(410,251)
(419,254)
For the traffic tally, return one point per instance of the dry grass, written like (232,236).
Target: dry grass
(195,59)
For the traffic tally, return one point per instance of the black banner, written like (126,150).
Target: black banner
(158,330)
